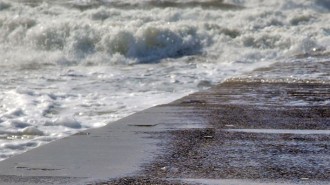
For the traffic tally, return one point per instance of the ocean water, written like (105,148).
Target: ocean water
(70,65)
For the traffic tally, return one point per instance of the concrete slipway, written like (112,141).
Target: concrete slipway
(259,129)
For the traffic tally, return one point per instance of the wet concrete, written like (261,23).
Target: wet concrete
(255,129)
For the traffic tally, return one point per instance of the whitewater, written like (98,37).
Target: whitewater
(66,66)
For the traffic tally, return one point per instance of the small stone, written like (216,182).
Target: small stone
(164,168)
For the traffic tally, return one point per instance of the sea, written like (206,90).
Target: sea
(71,65)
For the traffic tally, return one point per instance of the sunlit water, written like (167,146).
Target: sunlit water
(66,66)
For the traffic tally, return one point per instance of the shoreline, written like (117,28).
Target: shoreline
(202,138)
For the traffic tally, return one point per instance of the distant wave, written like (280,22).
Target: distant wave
(88,4)
(175,4)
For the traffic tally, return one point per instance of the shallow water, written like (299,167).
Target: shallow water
(66,66)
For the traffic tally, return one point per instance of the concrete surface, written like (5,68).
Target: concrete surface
(257,129)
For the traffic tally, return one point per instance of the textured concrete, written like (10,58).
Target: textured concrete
(256,129)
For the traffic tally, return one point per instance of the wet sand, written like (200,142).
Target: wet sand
(250,130)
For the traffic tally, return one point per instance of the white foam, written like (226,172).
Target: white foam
(68,122)
(32,131)
(18,124)
(20,146)
(265,31)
